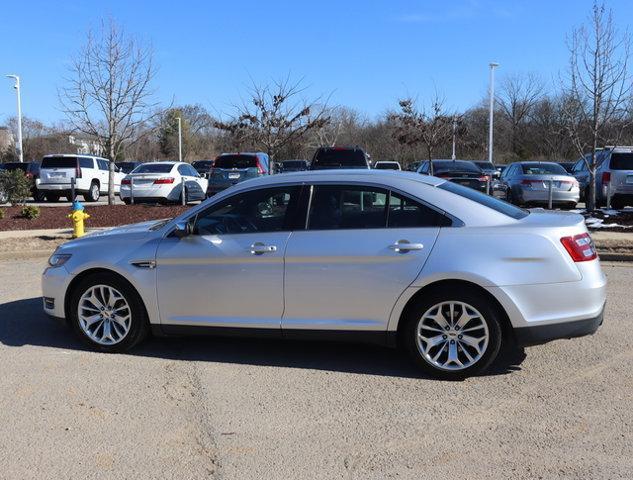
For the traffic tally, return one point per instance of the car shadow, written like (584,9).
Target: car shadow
(23,322)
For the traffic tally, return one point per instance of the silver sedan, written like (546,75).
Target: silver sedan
(532,183)
(443,271)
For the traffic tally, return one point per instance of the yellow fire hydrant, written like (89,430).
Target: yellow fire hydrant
(78,216)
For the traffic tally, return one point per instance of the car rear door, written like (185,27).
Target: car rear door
(230,271)
(362,247)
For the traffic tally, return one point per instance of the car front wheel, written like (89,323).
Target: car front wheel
(452,333)
(107,313)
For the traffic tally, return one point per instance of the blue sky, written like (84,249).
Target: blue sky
(366,54)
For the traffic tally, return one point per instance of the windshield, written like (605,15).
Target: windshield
(153,168)
(621,161)
(543,169)
(59,162)
(486,200)
(344,157)
(236,161)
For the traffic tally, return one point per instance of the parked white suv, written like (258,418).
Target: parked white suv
(90,174)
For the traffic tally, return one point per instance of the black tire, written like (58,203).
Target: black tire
(52,197)
(139,326)
(617,204)
(489,314)
(127,201)
(93,194)
(38,196)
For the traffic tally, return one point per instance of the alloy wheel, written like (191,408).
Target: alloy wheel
(104,315)
(452,336)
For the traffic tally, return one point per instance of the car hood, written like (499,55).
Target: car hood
(134,230)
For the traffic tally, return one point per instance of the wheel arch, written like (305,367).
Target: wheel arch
(460,285)
(91,271)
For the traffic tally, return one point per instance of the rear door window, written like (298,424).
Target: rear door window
(336,207)
(407,213)
(486,200)
(621,161)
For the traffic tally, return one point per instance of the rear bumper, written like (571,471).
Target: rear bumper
(537,335)
(542,196)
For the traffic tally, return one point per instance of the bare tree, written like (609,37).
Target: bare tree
(275,116)
(598,88)
(432,128)
(518,95)
(109,93)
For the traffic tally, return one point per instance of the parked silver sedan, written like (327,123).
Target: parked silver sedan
(529,183)
(445,272)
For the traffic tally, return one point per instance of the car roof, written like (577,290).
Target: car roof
(342,175)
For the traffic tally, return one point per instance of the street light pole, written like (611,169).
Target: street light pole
(492,106)
(179,139)
(17,89)
(453,157)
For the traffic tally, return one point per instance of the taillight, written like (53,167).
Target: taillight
(163,181)
(126,181)
(484,178)
(260,169)
(443,175)
(580,247)
(29,175)
(606,177)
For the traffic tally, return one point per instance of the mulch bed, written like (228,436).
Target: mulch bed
(610,220)
(100,216)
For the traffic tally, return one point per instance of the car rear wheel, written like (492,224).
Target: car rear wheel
(452,333)
(93,193)
(107,313)
(52,197)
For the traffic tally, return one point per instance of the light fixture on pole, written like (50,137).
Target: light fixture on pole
(179,139)
(17,89)
(493,65)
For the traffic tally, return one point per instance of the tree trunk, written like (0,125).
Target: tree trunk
(111,183)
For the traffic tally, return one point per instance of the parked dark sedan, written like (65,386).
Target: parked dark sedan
(488,168)
(568,166)
(463,172)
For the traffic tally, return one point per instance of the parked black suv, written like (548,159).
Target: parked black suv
(339,157)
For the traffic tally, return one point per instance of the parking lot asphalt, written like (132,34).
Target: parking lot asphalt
(242,409)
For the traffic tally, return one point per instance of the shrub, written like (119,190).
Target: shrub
(30,212)
(15,185)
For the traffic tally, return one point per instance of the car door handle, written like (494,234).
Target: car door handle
(403,246)
(259,248)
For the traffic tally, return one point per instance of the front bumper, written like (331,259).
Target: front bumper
(55,280)
(536,335)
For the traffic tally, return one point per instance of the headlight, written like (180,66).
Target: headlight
(58,259)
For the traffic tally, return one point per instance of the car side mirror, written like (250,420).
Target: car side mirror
(183,229)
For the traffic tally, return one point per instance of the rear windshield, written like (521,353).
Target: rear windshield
(622,161)
(59,162)
(294,164)
(486,200)
(486,165)
(543,169)
(387,166)
(339,158)
(236,161)
(456,166)
(203,164)
(153,168)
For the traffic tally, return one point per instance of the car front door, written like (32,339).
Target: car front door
(229,271)
(363,246)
